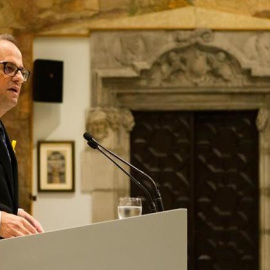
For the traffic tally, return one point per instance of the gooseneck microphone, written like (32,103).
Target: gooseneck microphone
(156,202)
(95,145)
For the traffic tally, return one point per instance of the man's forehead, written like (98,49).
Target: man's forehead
(9,49)
(8,45)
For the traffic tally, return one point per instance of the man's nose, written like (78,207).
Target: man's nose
(19,77)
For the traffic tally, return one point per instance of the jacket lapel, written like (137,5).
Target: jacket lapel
(11,167)
(14,175)
(4,159)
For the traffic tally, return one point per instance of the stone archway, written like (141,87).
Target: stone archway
(174,70)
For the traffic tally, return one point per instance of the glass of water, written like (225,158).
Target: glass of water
(129,207)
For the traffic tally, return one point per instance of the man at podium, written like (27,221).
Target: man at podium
(13,221)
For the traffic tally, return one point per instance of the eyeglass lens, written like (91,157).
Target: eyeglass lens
(12,69)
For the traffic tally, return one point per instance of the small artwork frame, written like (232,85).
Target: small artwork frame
(56,169)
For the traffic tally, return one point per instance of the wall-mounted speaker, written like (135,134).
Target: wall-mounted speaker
(48,81)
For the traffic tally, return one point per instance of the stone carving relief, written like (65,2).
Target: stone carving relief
(262,119)
(194,66)
(128,120)
(179,59)
(98,124)
(258,48)
(127,49)
(197,36)
(103,123)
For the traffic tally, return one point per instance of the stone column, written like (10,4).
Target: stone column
(111,128)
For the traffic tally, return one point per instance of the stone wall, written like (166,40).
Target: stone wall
(38,16)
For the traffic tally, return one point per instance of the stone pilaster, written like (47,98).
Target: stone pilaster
(111,128)
(263,126)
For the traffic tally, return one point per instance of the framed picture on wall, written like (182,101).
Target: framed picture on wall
(56,166)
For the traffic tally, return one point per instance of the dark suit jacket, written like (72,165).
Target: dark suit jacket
(8,178)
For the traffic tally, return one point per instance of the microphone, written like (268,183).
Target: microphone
(156,203)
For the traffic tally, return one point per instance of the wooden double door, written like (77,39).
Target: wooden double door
(206,162)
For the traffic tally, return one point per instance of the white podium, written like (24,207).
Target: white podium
(155,241)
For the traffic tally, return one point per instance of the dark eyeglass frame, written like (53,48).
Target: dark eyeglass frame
(25,73)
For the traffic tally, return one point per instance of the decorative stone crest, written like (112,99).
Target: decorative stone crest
(194,66)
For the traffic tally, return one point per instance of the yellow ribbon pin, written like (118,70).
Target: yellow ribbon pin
(13,143)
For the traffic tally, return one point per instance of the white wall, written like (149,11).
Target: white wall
(63,121)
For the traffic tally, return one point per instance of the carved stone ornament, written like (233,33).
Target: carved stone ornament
(120,117)
(128,120)
(98,124)
(202,58)
(198,36)
(127,49)
(101,120)
(194,65)
(262,119)
(257,48)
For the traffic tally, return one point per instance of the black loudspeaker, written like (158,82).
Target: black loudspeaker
(48,81)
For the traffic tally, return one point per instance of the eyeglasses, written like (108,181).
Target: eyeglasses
(11,69)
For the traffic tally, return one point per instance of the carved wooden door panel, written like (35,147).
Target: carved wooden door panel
(206,162)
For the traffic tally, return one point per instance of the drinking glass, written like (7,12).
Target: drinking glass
(129,207)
